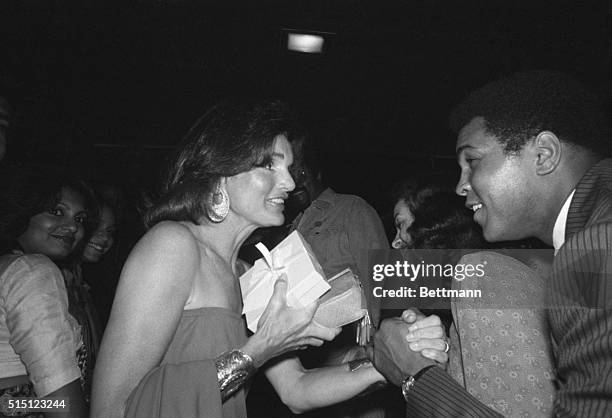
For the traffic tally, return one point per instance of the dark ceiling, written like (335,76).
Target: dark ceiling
(134,75)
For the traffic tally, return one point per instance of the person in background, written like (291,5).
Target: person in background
(80,302)
(440,220)
(433,218)
(341,229)
(103,238)
(403,217)
(102,276)
(96,266)
(40,342)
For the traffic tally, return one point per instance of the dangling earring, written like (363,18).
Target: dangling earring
(219,205)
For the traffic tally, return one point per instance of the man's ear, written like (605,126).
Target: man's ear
(548,152)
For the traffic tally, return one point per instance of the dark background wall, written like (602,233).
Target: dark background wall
(110,87)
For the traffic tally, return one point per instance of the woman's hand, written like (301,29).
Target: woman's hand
(282,328)
(426,335)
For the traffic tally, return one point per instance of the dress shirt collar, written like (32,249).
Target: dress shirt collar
(559,228)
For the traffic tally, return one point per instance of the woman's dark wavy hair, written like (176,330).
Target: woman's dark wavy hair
(405,190)
(441,221)
(232,137)
(31,193)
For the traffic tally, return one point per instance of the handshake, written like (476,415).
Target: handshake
(404,346)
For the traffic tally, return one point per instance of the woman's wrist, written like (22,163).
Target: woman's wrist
(367,371)
(254,350)
(375,376)
(234,368)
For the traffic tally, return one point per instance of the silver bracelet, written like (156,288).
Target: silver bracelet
(233,369)
(356,364)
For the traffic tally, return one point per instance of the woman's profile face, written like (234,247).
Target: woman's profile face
(57,231)
(403,220)
(102,238)
(258,196)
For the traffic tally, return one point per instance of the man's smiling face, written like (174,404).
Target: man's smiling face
(498,187)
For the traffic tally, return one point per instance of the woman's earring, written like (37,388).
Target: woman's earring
(219,205)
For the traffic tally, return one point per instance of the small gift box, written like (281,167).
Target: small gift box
(344,303)
(305,278)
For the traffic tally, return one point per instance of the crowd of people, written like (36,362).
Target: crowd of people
(533,149)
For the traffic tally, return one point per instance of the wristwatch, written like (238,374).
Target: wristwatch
(409,382)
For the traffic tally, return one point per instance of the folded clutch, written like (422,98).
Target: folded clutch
(344,303)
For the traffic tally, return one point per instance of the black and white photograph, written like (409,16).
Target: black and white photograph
(325,208)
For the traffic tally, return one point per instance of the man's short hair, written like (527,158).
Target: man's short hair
(519,107)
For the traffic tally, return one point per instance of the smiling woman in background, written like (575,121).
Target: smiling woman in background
(80,303)
(103,238)
(39,340)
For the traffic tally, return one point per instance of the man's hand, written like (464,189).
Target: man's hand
(392,355)
(427,335)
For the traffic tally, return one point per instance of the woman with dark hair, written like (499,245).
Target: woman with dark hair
(80,303)
(39,340)
(103,237)
(499,346)
(176,343)
(433,218)
(443,221)
(404,196)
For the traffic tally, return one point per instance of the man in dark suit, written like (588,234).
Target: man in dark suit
(532,150)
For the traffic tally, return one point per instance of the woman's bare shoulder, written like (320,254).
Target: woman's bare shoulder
(171,230)
(169,237)
(169,248)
